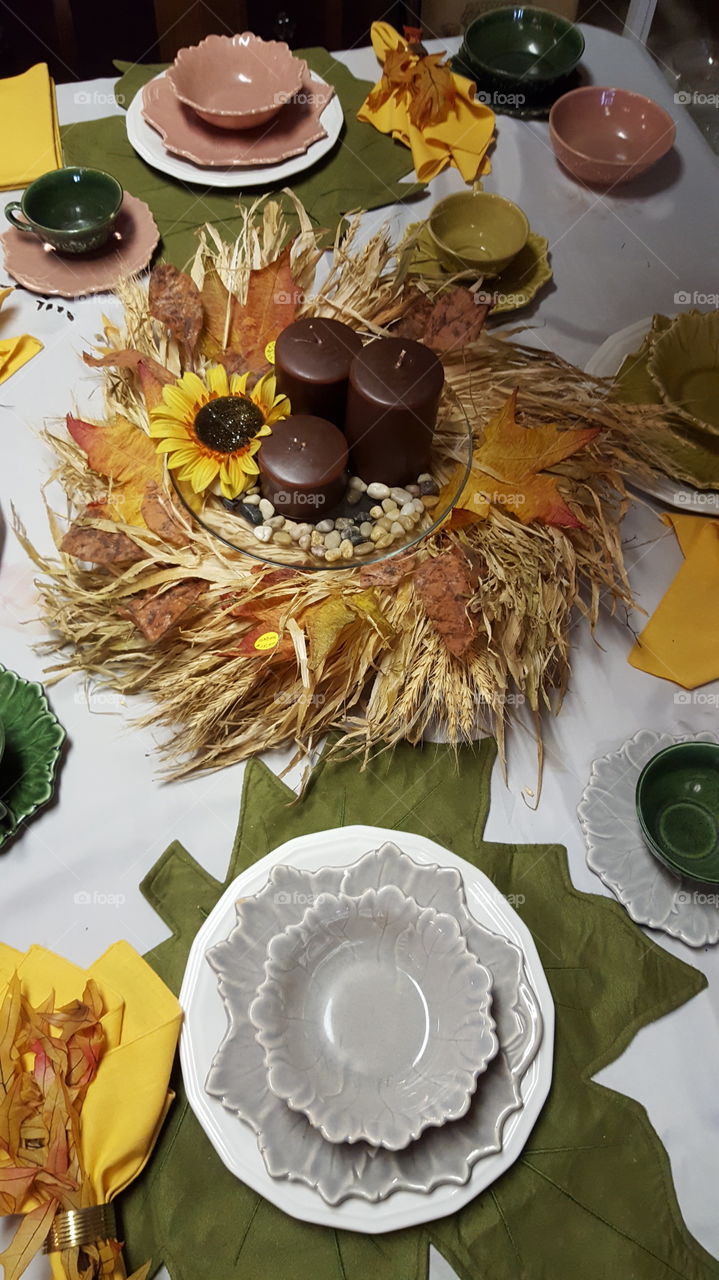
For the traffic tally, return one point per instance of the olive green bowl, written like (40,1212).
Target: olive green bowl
(519,45)
(477,231)
(677,801)
(72,209)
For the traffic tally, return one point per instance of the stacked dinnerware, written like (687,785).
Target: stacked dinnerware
(379,1038)
(236,105)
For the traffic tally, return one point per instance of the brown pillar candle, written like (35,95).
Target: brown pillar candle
(312,364)
(394,391)
(303,467)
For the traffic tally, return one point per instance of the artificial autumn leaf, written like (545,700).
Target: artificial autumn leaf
(100,546)
(174,299)
(142,1273)
(428,81)
(387,573)
(155,613)
(509,469)
(238,335)
(325,622)
(124,454)
(158,515)
(449,322)
(153,376)
(28,1240)
(444,585)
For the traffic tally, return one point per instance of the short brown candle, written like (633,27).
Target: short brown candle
(303,467)
(312,364)
(394,391)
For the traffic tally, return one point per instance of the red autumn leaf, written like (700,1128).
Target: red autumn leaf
(238,335)
(449,322)
(124,454)
(154,613)
(444,585)
(387,573)
(158,514)
(174,299)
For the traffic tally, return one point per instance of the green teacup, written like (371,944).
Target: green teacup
(74,210)
(478,231)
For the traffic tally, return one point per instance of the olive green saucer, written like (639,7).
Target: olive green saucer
(517,285)
(677,802)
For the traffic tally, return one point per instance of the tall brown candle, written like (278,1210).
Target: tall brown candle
(303,467)
(312,364)
(394,390)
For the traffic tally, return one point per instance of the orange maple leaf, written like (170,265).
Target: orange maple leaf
(124,454)
(244,331)
(510,470)
(428,80)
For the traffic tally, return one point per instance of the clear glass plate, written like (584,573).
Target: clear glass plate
(450,464)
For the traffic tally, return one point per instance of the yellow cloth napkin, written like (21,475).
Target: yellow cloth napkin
(128,1099)
(31,137)
(462,139)
(15,352)
(679,642)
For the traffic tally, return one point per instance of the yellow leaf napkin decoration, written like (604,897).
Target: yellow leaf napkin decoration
(15,352)
(679,642)
(85,1060)
(428,108)
(31,137)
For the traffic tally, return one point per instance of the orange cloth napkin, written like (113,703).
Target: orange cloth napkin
(679,642)
(462,139)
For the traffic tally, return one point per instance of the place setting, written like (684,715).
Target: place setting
(235,111)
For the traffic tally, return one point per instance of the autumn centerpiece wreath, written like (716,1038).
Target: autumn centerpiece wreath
(241,648)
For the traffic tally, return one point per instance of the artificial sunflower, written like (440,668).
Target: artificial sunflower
(213,428)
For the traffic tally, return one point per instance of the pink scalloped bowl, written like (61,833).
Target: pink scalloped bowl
(605,136)
(236,82)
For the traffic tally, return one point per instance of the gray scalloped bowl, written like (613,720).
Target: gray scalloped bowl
(33,738)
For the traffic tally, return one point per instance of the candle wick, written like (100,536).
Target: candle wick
(400,359)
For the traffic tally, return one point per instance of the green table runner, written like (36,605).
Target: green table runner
(590,1197)
(363,171)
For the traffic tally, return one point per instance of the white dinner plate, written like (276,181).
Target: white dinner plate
(148,144)
(205,1024)
(605,363)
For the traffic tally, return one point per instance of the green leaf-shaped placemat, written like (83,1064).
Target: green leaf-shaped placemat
(591,1196)
(363,171)
(33,738)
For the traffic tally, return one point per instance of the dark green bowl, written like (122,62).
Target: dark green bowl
(73,209)
(519,45)
(677,801)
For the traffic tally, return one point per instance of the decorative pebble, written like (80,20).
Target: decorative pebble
(407,509)
(281,538)
(253,515)
(385,540)
(413,489)
(263,533)
(303,529)
(384,522)
(377,490)
(430,501)
(424,476)
(266,508)
(377,533)
(355,536)
(325,526)
(276,522)
(343,522)
(319,552)
(346,549)
(376,512)
(408,522)
(354,482)
(333,539)
(304,542)
(428,486)
(364,548)
(388,505)
(396,527)
(316,539)
(333,553)
(353,496)
(365,528)
(418,505)
(252,498)
(400,495)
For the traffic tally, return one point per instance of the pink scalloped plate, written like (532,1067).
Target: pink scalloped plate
(42,270)
(290,133)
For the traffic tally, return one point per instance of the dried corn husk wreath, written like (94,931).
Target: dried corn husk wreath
(370,651)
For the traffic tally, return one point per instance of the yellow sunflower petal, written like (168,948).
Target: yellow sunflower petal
(177,403)
(193,386)
(202,473)
(280,409)
(232,478)
(263,392)
(248,464)
(238,384)
(217,381)
(182,457)
(265,430)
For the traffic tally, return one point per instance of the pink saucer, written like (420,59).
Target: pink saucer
(43,270)
(289,133)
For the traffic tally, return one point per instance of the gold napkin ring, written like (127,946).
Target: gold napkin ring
(81,1226)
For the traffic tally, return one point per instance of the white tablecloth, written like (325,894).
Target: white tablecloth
(615,259)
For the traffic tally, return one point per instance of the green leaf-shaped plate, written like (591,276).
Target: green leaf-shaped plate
(684,365)
(518,284)
(33,739)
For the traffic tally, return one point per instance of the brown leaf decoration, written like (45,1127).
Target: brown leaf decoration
(124,454)
(452,320)
(158,515)
(155,613)
(238,335)
(100,546)
(387,573)
(128,358)
(28,1240)
(428,80)
(444,586)
(175,301)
